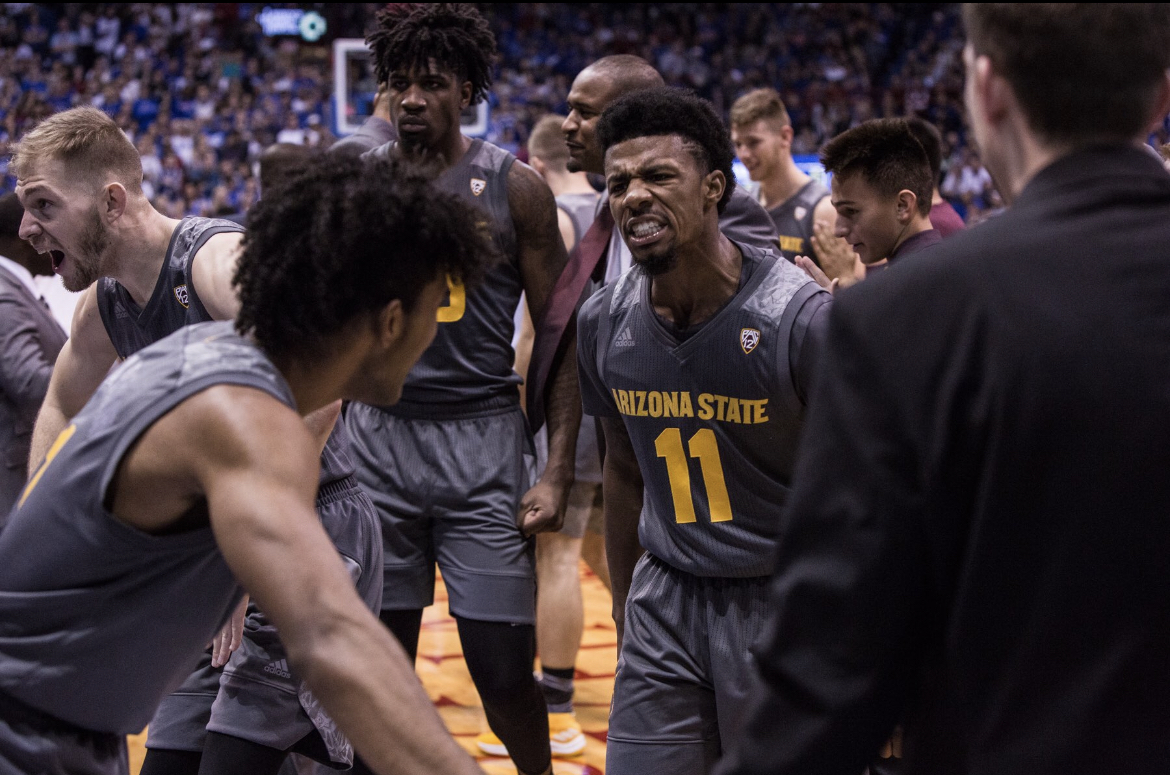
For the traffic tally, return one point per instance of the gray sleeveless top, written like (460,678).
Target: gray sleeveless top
(471,359)
(174,304)
(98,620)
(714,417)
(580,209)
(794,220)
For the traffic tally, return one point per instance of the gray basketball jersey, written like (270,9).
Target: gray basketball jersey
(580,209)
(794,220)
(174,304)
(714,419)
(471,357)
(98,620)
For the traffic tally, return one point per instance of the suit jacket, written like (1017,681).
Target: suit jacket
(30,339)
(978,534)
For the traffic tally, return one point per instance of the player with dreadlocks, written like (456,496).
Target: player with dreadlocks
(448,467)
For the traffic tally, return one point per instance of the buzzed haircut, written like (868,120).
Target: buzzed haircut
(928,135)
(315,258)
(886,154)
(11,213)
(627,73)
(547,143)
(408,36)
(760,105)
(669,111)
(1083,72)
(88,142)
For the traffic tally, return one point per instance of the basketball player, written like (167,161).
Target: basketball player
(762,133)
(992,570)
(560,612)
(145,276)
(697,361)
(444,495)
(593,90)
(191,468)
(881,190)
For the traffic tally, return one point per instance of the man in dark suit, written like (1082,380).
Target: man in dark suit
(30,339)
(978,535)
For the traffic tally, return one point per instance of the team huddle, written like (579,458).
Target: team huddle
(842,528)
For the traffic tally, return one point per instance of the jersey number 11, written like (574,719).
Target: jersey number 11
(704,446)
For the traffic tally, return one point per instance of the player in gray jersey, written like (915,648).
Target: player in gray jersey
(697,361)
(121,313)
(445,496)
(762,133)
(593,90)
(191,473)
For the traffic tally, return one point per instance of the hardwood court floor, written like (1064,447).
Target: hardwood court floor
(444,675)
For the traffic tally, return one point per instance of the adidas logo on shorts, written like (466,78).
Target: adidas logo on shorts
(625,338)
(279,667)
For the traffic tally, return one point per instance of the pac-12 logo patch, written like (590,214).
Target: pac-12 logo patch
(748,339)
(799,213)
(181,295)
(477,186)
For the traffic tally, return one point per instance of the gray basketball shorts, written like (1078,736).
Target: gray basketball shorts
(448,492)
(684,669)
(34,742)
(257,696)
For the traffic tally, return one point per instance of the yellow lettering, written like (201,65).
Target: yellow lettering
(761,406)
(684,405)
(733,410)
(641,396)
(706,410)
(655,403)
(456,302)
(792,244)
(670,404)
(722,400)
(705,447)
(626,409)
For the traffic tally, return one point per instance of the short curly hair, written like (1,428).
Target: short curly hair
(669,111)
(343,237)
(455,35)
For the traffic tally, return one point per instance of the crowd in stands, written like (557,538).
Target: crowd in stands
(202,91)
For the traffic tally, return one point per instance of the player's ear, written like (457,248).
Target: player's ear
(907,205)
(465,99)
(713,187)
(113,202)
(390,324)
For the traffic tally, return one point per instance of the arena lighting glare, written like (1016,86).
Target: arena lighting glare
(309,25)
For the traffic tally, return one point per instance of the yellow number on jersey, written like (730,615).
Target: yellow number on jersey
(456,303)
(704,446)
(64,436)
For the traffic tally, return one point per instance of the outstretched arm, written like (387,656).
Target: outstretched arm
(260,500)
(82,364)
(542,259)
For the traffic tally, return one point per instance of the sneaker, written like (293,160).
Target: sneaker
(564,737)
(564,734)
(490,744)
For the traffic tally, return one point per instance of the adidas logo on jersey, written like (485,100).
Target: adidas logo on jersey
(279,667)
(625,338)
